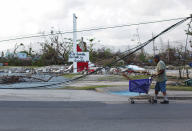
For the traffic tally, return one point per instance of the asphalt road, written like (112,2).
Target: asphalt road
(93,116)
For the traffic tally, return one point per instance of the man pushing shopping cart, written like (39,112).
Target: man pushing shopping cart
(161,79)
(143,85)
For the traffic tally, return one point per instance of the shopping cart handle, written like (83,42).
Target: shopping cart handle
(150,77)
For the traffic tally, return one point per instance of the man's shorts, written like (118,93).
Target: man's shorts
(160,86)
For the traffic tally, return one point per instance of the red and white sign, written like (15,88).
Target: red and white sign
(81,65)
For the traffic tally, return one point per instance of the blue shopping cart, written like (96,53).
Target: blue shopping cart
(141,86)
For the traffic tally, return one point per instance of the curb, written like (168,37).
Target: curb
(169,97)
(179,98)
(147,96)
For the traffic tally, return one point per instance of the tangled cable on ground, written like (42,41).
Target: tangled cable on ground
(133,50)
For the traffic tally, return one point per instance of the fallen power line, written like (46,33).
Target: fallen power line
(135,49)
(94,29)
(138,47)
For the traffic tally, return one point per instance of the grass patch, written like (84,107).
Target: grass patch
(30,66)
(176,88)
(85,87)
(175,78)
(111,78)
(7,67)
(139,77)
(70,76)
(119,77)
(4,67)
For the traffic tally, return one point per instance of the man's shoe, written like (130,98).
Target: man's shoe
(165,102)
(155,101)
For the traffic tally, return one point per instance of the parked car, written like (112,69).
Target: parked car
(135,68)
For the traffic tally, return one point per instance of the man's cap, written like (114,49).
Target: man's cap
(156,57)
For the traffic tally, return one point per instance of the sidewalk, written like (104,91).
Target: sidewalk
(57,95)
(172,95)
(76,95)
(179,95)
(124,86)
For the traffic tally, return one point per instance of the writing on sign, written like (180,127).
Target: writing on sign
(79,57)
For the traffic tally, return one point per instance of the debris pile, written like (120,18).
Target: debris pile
(24,77)
(10,79)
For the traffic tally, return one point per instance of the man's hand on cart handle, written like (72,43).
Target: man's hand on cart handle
(125,75)
(153,75)
(159,73)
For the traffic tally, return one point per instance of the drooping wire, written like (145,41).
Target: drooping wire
(95,29)
(91,29)
(110,64)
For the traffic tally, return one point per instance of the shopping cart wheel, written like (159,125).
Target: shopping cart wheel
(132,102)
(151,100)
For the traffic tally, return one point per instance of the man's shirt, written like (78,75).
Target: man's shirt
(161,66)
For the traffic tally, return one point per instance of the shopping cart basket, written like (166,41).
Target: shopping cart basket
(141,86)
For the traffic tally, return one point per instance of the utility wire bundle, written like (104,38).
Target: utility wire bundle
(133,50)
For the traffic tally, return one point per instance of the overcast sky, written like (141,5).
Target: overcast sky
(24,17)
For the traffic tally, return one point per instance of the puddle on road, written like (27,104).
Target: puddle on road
(125,93)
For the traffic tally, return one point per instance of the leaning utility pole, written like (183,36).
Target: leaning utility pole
(74,41)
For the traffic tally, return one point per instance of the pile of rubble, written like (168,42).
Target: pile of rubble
(45,69)
(24,81)
(10,79)
(23,77)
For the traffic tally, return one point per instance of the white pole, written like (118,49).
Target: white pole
(74,41)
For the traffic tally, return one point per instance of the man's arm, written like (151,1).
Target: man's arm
(126,76)
(159,73)
(161,67)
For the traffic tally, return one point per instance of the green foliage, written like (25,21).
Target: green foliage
(142,57)
(102,56)
(16,62)
(93,87)
(55,50)
(25,52)
(70,76)
(139,77)
(177,88)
